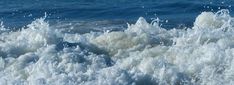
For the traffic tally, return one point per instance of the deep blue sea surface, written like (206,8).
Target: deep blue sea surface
(177,12)
(116,42)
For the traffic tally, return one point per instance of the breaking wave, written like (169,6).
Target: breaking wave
(142,54)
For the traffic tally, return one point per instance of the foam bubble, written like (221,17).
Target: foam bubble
(207,20)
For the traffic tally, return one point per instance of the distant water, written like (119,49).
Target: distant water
(178,12)
(116,42)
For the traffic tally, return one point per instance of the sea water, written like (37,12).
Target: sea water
(116,42)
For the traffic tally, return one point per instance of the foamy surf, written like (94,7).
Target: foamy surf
(142,54)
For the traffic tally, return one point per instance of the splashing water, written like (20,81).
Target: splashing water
(142,54)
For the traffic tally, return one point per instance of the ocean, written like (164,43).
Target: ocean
(116,42)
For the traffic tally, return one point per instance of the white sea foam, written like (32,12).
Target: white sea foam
(142,54)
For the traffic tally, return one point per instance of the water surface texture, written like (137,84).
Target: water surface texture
(116,42)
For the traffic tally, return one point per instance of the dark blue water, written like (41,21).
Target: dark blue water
(18,13)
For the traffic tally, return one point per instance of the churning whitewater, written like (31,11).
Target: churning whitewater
(142,54)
